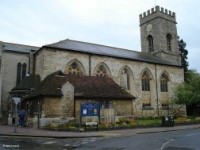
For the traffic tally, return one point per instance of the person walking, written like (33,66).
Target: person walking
(21,118)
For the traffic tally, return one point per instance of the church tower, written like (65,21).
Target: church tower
(159,34)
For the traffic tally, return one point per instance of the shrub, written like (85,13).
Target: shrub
(67,126)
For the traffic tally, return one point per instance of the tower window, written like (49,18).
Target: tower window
(145,82)
(169,40)
(150,43)
(164,83)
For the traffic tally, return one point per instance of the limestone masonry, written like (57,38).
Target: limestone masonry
(146,79)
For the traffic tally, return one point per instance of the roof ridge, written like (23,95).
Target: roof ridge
(54,42)
(99,49)
(22,44)
(93,44)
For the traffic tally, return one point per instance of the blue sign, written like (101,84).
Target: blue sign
(90,109)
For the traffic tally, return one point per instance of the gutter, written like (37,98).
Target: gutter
(79,51)
(156,89)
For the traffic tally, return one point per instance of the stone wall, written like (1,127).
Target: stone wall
(53,112)
(9,75)
(49,60)
(54,60)
(67,100)
(123,107)
(159,22)
(39,63)
(51,107)
(118,108)
(1,43)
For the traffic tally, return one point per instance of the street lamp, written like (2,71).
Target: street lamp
(16,100)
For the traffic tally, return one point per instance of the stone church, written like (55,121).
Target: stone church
(55,79)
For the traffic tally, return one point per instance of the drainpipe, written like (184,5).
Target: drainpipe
(156,89)
(89,65)
(29,63)
(33,63)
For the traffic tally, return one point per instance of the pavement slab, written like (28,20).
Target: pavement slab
(7,130)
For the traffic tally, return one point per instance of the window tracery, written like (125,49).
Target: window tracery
(164,83)
(74,69)
(101,71)
(125,80)
(145,82)
(150,43)
(169,39)
(21,72)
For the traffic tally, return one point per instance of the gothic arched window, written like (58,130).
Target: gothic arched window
(169,40)
(145,82)
(150,43)
(125,79)
(74,69)
(23,71)
(19,70)
(101,71)
(164,83)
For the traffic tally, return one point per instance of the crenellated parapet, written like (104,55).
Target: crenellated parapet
(157,12)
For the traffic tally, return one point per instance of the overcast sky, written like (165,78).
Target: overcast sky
(108,22)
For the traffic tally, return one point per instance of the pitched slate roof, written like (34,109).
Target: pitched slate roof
(84,87)
(108,51)
(28,83)
(18,47)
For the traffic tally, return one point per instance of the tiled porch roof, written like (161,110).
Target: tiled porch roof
(90,87)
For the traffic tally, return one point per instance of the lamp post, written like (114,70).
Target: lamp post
(38,114)
(16,100)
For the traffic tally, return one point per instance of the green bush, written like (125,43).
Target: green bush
(187,120)
(126,122)
(139,122)
(66,126)
(149,122)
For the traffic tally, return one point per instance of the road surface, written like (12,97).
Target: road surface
(174,140)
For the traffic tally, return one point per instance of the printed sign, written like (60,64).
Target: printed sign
(90,109)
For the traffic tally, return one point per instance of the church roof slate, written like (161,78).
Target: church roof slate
(84,87)
(108,51)
(18,47)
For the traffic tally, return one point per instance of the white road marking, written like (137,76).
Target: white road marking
(191,134)
(163,146)
(92,140)
(84,143)
(76,145)
(50,142)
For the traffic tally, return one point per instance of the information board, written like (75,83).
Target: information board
(90,109)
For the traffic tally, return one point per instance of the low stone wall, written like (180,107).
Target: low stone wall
(177,110)
(33,122)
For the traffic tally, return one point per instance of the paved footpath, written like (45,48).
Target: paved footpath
(35,132)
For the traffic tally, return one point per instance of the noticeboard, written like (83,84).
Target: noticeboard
(90,109)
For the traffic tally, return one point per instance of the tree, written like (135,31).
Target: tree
(189,92)
(184,62)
